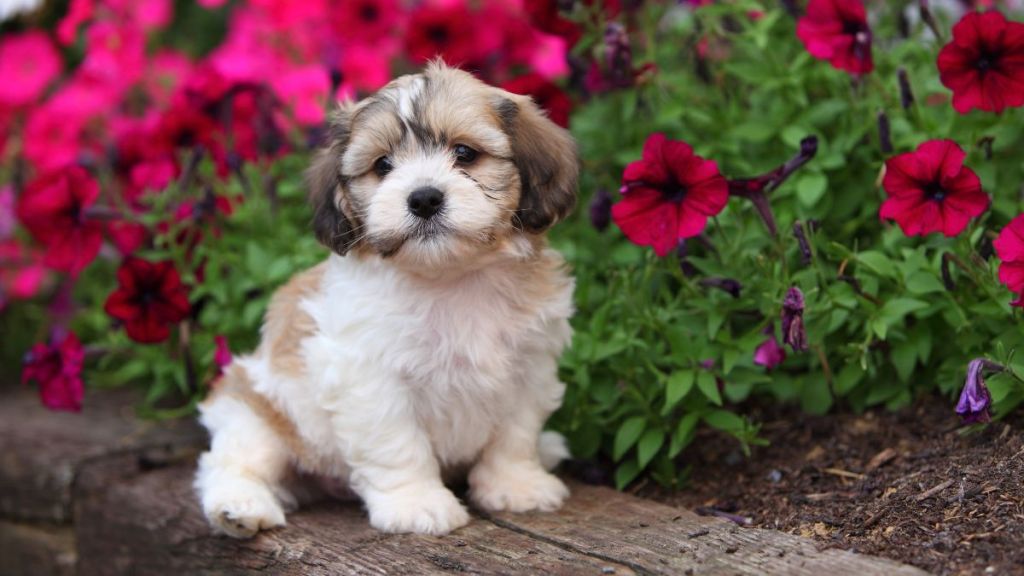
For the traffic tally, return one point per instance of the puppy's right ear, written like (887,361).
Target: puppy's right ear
(333,227)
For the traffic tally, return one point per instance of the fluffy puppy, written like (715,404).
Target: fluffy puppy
(428,342)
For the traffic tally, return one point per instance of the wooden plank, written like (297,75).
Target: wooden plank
(653,538)
(42,451)
(36,549)
(152,525)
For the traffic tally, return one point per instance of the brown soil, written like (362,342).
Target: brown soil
(908,485)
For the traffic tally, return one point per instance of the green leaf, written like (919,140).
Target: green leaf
(683,434)
(679,385)
(725,421)
(904,357)
(848,378)
(895,310)
(815,398)
(629,432)
(878,263)
(709,387)
(626,473)
(922,282)
(811,187)
(649,445)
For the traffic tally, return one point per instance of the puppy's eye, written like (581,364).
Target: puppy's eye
(383,166)
(464,154)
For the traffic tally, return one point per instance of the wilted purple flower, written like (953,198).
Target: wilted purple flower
(757,189)
(618,55)
(793,332)
(689,270)
(601,209)
(884,134)
(801,239)
(975,398)
(729,285)
(769,354)
(906,94)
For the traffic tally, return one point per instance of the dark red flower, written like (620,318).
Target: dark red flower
(149,298)
(545,16)
(53,208)
(1010,249)
(984,63)
(366,21)
(57,368)
(837,31)
(545,93)
(446,30)
(668,195)
(930,190)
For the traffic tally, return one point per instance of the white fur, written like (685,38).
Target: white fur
(406,377)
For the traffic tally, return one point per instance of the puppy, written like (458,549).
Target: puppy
(429,341)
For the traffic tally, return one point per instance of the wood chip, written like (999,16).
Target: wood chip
(881,459)
(933,490)
(843,473)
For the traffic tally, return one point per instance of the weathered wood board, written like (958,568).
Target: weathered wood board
(101,493)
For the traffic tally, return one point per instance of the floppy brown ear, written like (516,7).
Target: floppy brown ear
(546,156)
(333,227)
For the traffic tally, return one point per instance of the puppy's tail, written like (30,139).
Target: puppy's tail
(553,449)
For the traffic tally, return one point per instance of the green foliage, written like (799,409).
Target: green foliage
(881,325)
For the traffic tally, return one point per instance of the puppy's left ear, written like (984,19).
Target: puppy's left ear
(546,156)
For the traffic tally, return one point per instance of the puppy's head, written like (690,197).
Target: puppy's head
(440,169)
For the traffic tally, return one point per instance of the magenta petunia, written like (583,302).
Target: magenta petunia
(930,190)
(838,31)
(769,353)
(28,63)
(1010,249)
(668,195)
(984,63)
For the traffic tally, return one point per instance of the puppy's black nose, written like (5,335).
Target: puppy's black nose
(425,202)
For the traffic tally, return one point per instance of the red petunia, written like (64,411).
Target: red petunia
(53,208)
(546,94)
(668,195)
(149,298)
(837,31)
(1010,249)
(984,63)
(57,368)
(930,190)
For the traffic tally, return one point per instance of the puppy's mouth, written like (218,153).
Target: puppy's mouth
(422,232)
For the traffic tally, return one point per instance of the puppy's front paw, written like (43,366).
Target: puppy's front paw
(516,489)
(434,511)
(243,508)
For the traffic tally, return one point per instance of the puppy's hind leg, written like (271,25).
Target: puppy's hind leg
(240,479)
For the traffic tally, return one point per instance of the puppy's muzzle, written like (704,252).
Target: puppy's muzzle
(426,202)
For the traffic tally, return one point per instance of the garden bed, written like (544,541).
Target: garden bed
(905,485)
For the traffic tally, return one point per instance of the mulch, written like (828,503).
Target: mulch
(905,485)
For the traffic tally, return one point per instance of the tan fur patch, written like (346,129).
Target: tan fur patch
(236,384)
(286,324)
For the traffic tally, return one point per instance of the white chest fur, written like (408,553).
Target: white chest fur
(456,347)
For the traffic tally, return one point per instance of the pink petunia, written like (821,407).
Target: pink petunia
(28,63)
